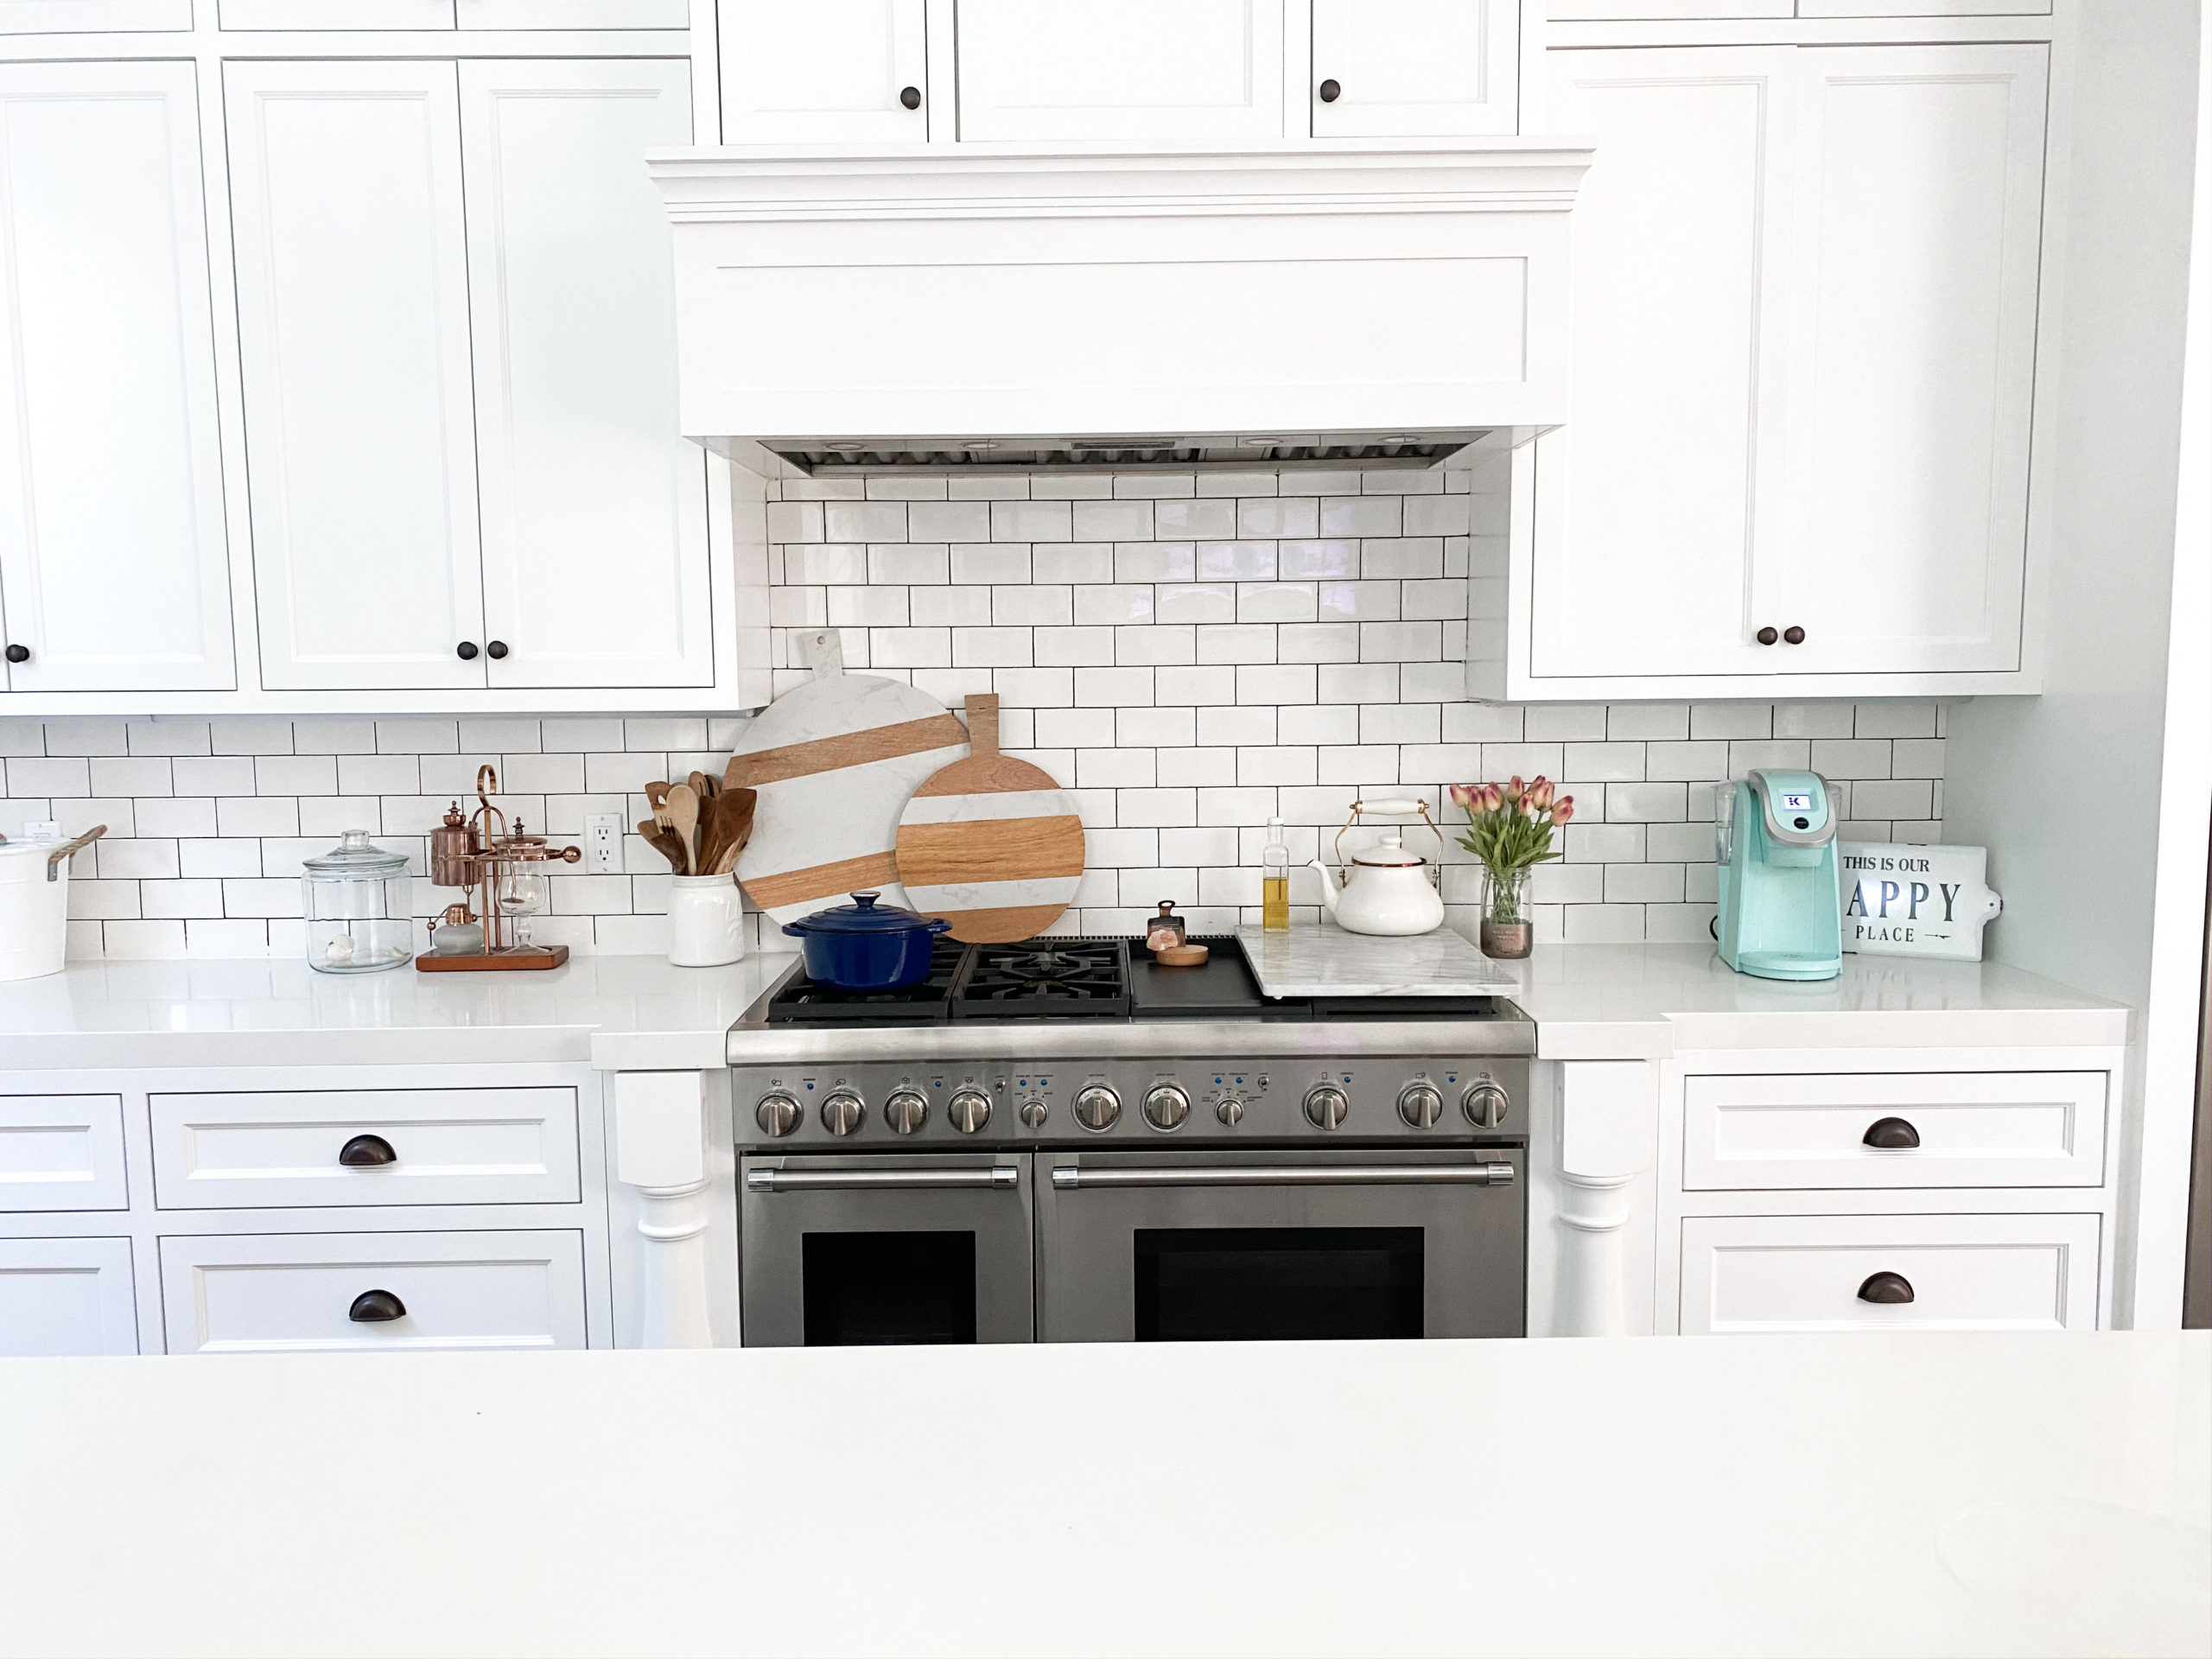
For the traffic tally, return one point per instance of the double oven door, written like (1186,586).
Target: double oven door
(1071,1246)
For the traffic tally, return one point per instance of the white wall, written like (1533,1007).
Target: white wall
(2065,788)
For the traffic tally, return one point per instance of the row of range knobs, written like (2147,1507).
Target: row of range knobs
(1098,1108)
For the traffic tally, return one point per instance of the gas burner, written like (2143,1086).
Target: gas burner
(1063,978)
(1046,964)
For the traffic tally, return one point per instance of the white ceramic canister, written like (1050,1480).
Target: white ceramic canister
(706,921)
(33,910)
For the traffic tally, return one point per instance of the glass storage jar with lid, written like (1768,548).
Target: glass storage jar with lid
(358,907)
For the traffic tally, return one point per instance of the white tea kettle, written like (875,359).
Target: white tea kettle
(1388,889)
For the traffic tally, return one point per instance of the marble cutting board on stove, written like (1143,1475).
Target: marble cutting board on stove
(1327,961)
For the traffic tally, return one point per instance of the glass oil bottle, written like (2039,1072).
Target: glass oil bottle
(1274,881)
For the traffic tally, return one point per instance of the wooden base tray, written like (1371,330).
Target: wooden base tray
(494,961)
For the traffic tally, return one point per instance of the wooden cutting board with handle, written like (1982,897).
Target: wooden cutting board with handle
(832,763)
(989,842)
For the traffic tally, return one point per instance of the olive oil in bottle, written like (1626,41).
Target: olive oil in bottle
(1274,881)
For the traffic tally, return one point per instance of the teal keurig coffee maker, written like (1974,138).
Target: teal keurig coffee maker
(1781,906)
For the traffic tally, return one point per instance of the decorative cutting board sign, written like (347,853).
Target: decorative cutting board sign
(1915,901)
(990,844)
(833,762)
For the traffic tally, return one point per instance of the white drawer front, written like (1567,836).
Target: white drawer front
(61,1152)
(1966,1273)
(305,1290)
(66,1296)
(1974,1128)
(447,1146)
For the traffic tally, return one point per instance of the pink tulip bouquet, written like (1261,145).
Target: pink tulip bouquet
(1509,828)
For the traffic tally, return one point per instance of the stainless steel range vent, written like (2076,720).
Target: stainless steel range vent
(819,457)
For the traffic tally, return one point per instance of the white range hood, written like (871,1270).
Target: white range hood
(964,307)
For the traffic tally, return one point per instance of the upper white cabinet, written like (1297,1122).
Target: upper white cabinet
(353,334)
(1141,70)
(1413,68)
(574,13)
(830,70)
(92,16)
(1805,318)
(336,14)
(593,509)
(113,560)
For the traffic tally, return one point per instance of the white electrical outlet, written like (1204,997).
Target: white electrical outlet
(603,843)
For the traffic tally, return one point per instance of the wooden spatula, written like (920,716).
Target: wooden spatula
(737,817)
(664,842)
(684,819)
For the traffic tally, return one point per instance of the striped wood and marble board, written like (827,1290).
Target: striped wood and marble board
(990,844)
(834,761)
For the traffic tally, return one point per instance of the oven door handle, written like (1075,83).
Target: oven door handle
(880,1180)
(1067,1177)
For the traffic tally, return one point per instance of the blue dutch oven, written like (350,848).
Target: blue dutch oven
(858,947)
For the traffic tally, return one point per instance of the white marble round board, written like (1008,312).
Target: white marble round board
(834,762)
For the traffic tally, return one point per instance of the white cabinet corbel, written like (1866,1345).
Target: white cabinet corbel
(1608,1128)
(660,1150)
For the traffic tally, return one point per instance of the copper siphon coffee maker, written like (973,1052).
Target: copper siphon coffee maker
(499,869)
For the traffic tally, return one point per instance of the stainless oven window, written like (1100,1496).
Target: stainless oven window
(874,1289)
(1266,1284)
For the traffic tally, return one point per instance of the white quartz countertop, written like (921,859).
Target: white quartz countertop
(1649,1001)
(611,1010)
(1324,960)
(1916,1493)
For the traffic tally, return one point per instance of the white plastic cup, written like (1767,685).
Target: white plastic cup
(34,912)
(706,921)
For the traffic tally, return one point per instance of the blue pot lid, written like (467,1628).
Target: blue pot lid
(863,915)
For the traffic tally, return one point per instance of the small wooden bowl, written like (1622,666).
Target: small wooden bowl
(1181,955)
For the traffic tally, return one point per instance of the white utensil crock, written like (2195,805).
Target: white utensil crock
(34,912)
(706,921)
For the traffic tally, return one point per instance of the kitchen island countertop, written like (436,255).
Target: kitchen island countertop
(1863,1494)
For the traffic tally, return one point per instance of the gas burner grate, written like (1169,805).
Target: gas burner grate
(1069,978)
(803,1002)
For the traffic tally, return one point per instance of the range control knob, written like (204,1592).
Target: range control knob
(841,1113)
(777,1115)
(1230,1110)
(1419,1105)
(1484,1104)
(1033,1114)
(1097,1108)
(906,1112)
(1166,1107)
(1326,1107)
(969,1109)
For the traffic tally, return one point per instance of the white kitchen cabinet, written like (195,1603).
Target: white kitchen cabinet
(113,558)
(574,13)
(834,71)
(1143,70)
(1415,68)
(594,506)
(336,14)
(354,331)
(1665,12)
(1805,321)
(67,1296)
(92,16)
(61,1152)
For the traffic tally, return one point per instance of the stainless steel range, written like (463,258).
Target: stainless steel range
(1063,1141)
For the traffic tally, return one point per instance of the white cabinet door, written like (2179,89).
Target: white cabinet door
(92,16)
(829,70)
(114,573)
(66,1296)
(1146,71)
(1918,233)
(336,14)
(1649,529)
(595,508)
(354,339)
(61,1152)
(1414,69)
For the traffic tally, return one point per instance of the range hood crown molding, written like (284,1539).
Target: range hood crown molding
(972,305)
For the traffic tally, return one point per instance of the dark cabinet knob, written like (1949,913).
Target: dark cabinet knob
(1891,1134)
(466,651)
(367,1152)
(911,97)
(1331,92)
(497,649)
(1793,636)
(1767,636)
(381,1307)
(19,653)
(1886,1288)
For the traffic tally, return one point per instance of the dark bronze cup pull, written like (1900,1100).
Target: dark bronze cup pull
(367,1152)
(1891,1134)
(1886,1288)
(381,1307)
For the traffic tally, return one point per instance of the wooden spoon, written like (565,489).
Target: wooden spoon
(684,819)
(737,827)
(663,842)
